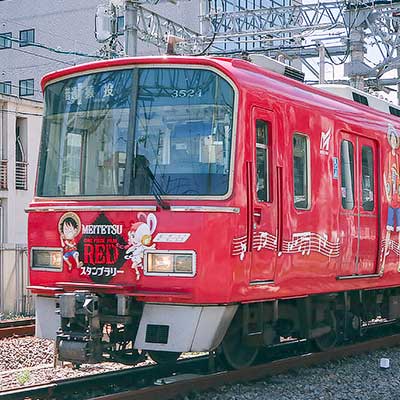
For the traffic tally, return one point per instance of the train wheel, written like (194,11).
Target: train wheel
(164,357)
(330,339)
(233,352)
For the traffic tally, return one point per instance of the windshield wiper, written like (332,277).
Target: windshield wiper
(156,190)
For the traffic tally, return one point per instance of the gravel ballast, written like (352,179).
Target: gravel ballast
(354,378)
(28,361)
(25,352)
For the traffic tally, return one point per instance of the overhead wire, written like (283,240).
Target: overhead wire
(52,49)
(41,56)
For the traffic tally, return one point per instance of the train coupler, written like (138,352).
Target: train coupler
(79,339)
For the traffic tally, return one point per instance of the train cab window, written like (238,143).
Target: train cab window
(367,179)
(301,172)
(347,159)
(262,153)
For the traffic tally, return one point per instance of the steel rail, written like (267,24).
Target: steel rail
(19,327)
(121,379)
(138,383)
(257,372)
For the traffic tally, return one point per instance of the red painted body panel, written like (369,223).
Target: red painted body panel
(306,250)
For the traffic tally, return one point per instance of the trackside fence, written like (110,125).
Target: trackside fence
(14,278)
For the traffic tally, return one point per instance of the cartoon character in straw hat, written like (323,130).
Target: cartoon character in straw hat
(69,227)
(391,179)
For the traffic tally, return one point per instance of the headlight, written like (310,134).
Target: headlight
(46,259)
(175,263)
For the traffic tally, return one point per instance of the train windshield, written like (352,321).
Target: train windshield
(134,132)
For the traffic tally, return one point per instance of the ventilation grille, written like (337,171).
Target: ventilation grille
(277,66)
(360,98)
(294,74)
(394,111)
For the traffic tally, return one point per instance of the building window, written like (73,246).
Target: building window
(5,43)
(367,179)
(347,158)
(262,161)
(26,87)
(5,87)
(120,25)
(301,171)
(21,165)
(26,37)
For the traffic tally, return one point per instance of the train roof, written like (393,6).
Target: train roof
(245,73)
(361,97)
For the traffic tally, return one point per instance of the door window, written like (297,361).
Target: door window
(262,153)
(367,179)
(301,172)
(347,158)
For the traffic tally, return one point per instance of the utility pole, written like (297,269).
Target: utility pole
(321,64)
(356,69)
(131,33)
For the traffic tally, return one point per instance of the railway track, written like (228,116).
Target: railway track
(18,327)
(108,382)
(148,383)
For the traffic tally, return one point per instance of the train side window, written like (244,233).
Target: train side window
(262,162)
(301,168)
(367,178)
(347,160)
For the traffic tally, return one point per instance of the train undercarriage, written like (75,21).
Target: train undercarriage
(96,328)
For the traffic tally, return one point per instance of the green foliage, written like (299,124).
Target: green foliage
(24,377)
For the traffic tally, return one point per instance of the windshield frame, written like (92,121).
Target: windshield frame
(217,71)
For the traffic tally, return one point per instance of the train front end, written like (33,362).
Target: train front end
(133,198)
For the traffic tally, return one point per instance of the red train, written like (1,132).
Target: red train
(192,203)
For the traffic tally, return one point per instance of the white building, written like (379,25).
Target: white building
(20,125)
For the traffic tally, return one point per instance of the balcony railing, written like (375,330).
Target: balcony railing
(21,175)
(3,174)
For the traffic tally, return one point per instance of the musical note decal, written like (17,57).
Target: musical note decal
(390,245)
(239,247)
(302,242)
(264,240)
(307,242)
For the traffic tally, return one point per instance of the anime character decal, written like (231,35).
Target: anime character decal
(99,249)
(391,179)
(139,240)
(69,227)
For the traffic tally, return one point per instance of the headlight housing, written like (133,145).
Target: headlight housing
(47,259)
(170,262)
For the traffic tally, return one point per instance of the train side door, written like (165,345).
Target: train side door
(264,198)
(359,208)
(348,210)
(368,232)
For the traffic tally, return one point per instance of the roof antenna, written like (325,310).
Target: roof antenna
(172,41)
